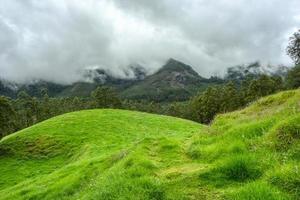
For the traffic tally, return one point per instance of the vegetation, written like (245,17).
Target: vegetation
(222,99)
(175,81)
(201,108)
(7,115)
(249,147)
(293,77)
(293,49)
(252,153)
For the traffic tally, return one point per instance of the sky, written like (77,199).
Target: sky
(56,40)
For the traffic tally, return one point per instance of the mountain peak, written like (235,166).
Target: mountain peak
(173,65)
(172,60)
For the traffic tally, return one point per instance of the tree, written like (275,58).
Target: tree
(105,97)
(230,99)
(45,105)
(293,49)
(7,117)
(76,104)
(293,77)
(28,111)
(206,105)
(260,87)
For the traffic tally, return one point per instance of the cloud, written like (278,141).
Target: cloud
(56,40)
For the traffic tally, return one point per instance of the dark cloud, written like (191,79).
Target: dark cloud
(55,39)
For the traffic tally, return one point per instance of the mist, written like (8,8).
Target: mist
(56,40)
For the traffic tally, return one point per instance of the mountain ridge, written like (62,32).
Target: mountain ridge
(173,81)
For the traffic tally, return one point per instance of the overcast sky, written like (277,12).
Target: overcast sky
(55,40)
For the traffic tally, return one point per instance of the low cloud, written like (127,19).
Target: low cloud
(56,40)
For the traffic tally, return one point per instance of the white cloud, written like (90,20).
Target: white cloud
(55,39)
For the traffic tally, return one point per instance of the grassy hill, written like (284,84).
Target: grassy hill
(253,153)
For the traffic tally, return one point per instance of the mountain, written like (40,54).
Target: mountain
(98,77)
(174,81)
(93,79)
(253,70)
(252,153)
(8,89)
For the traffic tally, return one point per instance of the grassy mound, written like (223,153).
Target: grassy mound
(253,153)
(94,154)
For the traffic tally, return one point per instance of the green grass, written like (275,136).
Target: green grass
(253,153)
(258,191)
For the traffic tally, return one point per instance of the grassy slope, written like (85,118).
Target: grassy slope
(112,154)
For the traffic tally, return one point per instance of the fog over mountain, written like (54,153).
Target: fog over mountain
(55,40)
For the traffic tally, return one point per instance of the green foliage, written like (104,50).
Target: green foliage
(262,86)
(27,109)
(293,77)
(7,116)
(293,49)
(226,98)
(105,97)
(230,99)
(205,106)
(214,100)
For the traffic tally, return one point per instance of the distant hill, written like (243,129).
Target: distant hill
(175,81)
(8,89)
(252,153)
(253,70)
